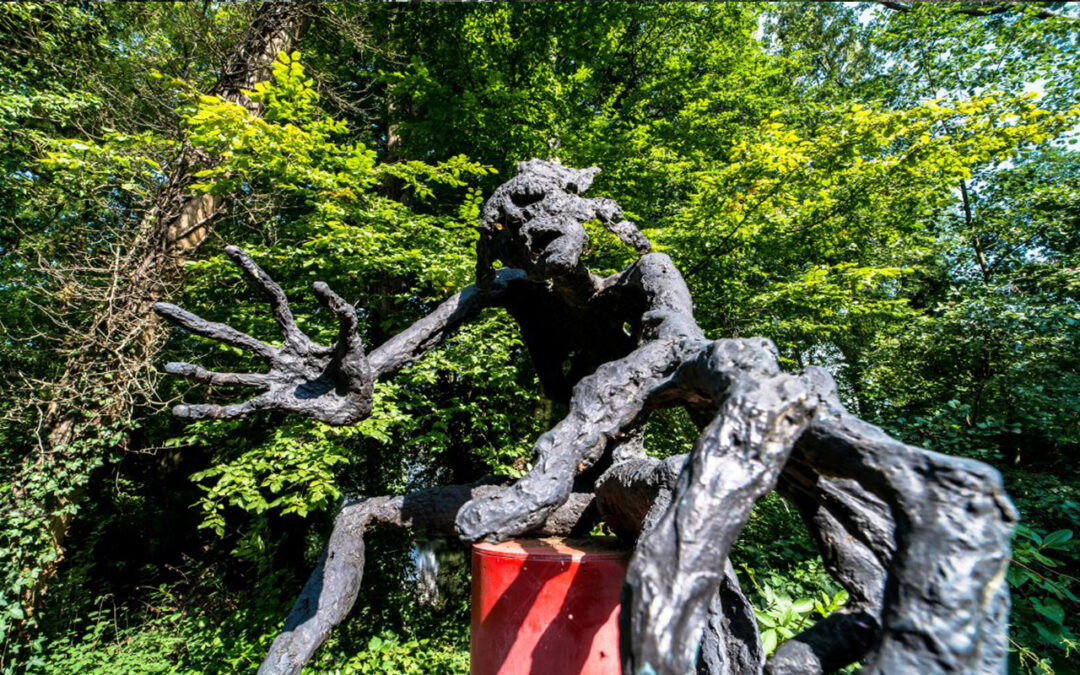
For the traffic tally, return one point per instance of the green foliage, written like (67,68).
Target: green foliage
(24,538)
(173,638)
(180,644)
(340,230)
(781,618)
(294,148)
(892,195)
(292,473)
(1045,631)
(389,654)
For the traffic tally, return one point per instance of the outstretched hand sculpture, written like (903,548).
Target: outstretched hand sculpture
(920,540)
(329,384)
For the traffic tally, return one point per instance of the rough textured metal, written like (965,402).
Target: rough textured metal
(920,540)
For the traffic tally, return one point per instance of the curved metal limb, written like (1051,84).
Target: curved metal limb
(632,497)
(946,600)
(680,564)
(853,531)
(428,332)
(331,591)
(730,644)
(603,407)
(922,545)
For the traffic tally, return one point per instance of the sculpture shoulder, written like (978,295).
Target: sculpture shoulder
(661,281)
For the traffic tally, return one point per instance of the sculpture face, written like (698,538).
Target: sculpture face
(535,220)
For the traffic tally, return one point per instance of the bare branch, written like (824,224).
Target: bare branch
(993,8)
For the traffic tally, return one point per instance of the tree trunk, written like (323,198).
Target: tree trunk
(91,404)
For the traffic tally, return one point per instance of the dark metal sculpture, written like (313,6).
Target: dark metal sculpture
(920,540)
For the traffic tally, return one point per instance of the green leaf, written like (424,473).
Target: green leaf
(803,605)
(1049,608)
(769,640)
(764,619)
(1056,538)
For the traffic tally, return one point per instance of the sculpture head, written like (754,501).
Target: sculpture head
(535,221)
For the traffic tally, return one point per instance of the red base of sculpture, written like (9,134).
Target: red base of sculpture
(546,607)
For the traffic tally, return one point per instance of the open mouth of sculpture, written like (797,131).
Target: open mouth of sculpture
(542,243)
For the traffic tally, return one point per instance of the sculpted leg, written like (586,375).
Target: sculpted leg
(946,602)
(921,540)
(329,594)
(853,532)
(326,598)
(730,644)
(632,497)
(680,564)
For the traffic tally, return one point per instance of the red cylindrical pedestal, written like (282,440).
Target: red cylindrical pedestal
(546,607)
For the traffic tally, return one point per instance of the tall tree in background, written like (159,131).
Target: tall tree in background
(87,411)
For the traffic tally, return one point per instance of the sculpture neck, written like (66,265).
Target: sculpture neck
(578,288)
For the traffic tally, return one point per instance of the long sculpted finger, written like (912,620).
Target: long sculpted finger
(845,636)
(200,374)
(346,314)
(946,597)
(679,565)
(279,304)
(213,330)
(208,411)
(349,349)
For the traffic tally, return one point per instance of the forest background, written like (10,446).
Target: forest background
(889,190)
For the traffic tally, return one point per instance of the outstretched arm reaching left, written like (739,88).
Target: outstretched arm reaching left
(332,384)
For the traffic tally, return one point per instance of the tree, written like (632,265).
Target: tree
(87,410)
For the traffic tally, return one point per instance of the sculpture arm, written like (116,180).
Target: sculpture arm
(332,384)
(411,343)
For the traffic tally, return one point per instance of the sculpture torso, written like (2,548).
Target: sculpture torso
(571,320)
